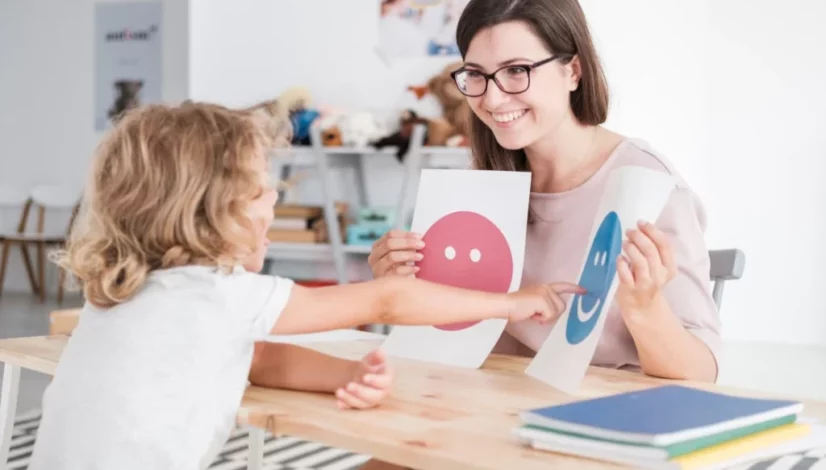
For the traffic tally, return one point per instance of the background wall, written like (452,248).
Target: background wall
(730,91)
(47,132)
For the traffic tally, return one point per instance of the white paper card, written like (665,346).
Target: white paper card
(474,225)
(631,194)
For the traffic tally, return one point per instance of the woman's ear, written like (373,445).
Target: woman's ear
(574,73)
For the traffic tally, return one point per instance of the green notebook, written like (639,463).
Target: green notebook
(530,432)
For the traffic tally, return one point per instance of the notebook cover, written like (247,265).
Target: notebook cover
(686,447)
(727,451)
(653,412)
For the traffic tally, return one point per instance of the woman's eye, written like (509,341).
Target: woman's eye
(472,74)
(516,70)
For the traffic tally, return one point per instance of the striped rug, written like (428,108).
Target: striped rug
(289,453)
(282,453)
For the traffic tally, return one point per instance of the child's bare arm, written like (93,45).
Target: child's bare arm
(289,366)
(389,300)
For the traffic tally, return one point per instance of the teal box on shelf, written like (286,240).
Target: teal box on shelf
(377,215)
(366,233)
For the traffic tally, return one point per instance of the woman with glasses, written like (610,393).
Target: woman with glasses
(539,99)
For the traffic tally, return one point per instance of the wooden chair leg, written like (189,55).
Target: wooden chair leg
(4,259)
(61,279)
(41,269)
(27,263)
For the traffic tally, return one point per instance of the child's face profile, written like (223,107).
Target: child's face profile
(262,213)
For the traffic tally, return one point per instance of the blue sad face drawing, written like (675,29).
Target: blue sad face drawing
(597,276)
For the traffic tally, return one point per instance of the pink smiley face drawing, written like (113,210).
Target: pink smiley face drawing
(465,249)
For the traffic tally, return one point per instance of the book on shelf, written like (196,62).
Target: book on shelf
(296,223)
(671,426)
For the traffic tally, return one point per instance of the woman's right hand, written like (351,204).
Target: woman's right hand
(541,302)
(394,254)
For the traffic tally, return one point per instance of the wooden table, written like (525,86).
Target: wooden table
(439,417)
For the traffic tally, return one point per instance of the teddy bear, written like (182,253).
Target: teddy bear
(454,126)
(450,129)
(126,99)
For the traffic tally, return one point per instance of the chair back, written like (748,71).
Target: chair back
(726,265)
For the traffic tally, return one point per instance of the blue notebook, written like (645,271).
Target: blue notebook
(660,416)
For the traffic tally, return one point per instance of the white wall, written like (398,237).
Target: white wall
(767,154)
(47,129)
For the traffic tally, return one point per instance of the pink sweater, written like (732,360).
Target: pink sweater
(557,239)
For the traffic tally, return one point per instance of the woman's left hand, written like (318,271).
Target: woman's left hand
(646,266)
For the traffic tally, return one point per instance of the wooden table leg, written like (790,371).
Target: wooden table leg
(8,410)
(255,459)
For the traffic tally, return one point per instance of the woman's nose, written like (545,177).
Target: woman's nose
(494,97)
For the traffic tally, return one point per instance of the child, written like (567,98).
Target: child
(166,248)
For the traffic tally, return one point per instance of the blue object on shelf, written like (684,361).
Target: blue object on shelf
(366,233)
(372,215)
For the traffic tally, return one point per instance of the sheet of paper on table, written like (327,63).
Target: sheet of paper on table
(474,225)
(632,193)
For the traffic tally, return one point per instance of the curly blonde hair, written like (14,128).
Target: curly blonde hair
(170,186)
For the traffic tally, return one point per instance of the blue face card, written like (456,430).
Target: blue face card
(597,276)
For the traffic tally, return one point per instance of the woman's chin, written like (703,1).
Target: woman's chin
(512,142)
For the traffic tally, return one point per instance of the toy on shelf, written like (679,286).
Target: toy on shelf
(276,120)
(451,129)
(454,126)
(297,102)
(355,129)
(371,224)
(401,138)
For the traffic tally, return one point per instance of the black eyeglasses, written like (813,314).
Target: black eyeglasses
(511,79)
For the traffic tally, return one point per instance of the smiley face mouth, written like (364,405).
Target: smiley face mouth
(585,315)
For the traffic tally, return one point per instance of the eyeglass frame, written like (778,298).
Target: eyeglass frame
(492,76)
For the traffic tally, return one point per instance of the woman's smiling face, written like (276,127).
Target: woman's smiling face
(521,119)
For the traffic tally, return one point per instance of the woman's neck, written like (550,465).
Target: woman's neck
(562,159)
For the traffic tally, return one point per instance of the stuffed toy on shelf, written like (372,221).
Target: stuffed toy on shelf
(451,129)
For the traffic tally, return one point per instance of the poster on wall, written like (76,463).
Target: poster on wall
(474,239)
(419,28)
(128,58)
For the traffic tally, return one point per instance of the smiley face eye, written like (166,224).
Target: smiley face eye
(475,255)
(604,255)
(450,252)
(599,258)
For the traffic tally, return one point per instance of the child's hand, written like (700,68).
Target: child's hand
(371,382)
(541,302)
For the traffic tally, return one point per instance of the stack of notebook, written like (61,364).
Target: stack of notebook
(671,427)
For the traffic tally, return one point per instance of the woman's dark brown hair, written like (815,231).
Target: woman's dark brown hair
(562,27)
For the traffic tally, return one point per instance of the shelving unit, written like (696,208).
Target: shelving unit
(321,160)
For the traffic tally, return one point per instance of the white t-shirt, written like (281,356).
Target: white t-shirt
(156,382)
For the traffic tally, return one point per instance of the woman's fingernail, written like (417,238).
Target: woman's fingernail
(419,244)
(418,256)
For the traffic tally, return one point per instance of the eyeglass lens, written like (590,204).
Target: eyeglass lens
(509,79)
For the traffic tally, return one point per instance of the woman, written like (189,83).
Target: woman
(539,98)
